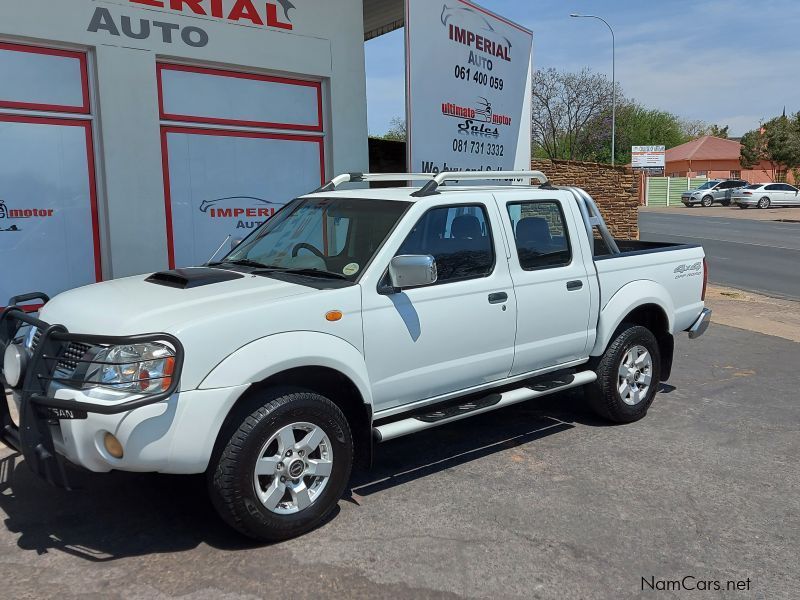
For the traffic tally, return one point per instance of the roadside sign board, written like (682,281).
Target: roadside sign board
(648,157)
(468,88)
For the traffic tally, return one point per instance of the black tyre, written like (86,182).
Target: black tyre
(284,467)
(628,376)
(726,203)
(764,202)
(707,201)
(742,206)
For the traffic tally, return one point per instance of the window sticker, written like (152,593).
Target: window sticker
(351,269)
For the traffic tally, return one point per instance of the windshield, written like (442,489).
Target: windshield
(708,185)
(334,237)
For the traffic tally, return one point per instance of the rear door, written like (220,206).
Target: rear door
(551,282)
(788,194)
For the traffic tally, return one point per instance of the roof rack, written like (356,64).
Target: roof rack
(434,180)
(432,186)
(362,177)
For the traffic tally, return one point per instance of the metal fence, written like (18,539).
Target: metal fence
(666,191)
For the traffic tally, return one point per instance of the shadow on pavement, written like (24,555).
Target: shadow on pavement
(119,515)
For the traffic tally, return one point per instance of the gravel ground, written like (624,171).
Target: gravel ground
(539,500)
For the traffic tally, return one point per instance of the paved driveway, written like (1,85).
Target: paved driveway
(535,501)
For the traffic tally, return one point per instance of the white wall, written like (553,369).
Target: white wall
(326,44)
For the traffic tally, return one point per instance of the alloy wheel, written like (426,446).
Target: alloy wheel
(635,375)
(293,468)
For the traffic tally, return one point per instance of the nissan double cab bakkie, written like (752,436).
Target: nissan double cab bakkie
(353,316)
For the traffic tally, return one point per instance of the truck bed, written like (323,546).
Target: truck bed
(671,270)
(634,247)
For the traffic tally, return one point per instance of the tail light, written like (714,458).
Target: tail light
(747,193)
(705,280)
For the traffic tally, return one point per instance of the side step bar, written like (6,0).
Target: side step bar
(390,431)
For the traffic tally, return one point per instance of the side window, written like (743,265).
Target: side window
(541,235)
(458,237)
(773,188)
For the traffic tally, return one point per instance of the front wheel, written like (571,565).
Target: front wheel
(707,201)
(628,376)
(764,202)
(285,467)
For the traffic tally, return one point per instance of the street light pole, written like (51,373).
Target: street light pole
(613,81)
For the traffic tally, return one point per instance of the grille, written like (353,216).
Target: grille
(72,356)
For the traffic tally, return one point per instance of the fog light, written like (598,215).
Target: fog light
(113,446)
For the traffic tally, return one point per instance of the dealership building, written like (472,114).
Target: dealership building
(139,134)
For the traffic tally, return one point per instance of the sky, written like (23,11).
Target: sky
(728,62)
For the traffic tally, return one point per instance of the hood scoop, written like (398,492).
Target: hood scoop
(184,279)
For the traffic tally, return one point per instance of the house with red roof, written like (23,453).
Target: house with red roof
(718,158)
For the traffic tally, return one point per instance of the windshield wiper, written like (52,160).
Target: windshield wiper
(307,272)
(241,262)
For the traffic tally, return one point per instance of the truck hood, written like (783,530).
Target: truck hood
(137,305)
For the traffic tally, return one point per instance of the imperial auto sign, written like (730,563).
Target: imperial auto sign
(468,81)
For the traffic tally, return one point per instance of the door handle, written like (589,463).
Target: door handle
(573,286)
(498,298)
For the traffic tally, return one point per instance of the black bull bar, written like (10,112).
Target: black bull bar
(33,437)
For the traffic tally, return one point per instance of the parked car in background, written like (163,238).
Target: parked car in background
(764,195)
(715,190)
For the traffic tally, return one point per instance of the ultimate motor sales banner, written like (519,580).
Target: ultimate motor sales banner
(468,88)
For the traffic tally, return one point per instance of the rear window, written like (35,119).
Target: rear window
(755,186)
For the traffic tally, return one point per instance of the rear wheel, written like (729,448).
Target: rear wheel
(742,206)
(707,201)
(628,375)
(284,468)
(764,202)
(726,203)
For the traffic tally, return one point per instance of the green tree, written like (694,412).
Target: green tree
(776,142)
(564,105)
(397,130)
(637,125)
(717,131)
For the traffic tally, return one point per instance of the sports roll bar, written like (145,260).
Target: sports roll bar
(592,218)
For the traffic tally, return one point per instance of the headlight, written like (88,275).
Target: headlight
(138,369)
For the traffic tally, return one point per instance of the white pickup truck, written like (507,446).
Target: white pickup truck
(351,317)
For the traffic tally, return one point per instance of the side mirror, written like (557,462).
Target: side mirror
(410,271)
(235,242)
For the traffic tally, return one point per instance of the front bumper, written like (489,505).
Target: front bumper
(689,201)
(700,326)
(40,436)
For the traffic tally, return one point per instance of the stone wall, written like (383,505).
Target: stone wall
(615,189)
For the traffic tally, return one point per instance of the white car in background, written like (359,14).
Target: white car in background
(764,195)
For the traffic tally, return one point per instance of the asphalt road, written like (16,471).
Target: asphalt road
(539,500)
(759,256)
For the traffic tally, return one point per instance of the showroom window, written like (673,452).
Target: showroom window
(236,148)
(48,191)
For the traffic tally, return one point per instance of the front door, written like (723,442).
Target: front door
(455,334)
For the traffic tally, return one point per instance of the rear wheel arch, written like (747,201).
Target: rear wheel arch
(654,318)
